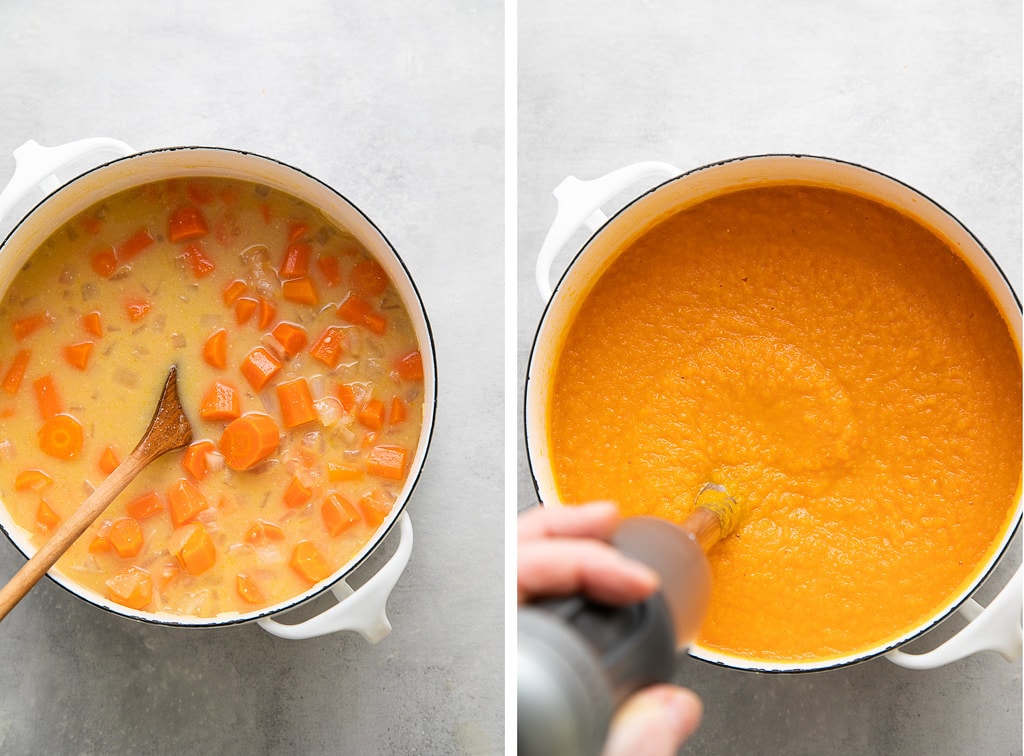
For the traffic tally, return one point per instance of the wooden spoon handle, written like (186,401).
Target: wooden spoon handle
(168,429)
(70,530)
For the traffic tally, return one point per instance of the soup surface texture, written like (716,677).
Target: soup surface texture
(840,370)
(298,368)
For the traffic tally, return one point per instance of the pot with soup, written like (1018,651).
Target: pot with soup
(832,347)
(305,366)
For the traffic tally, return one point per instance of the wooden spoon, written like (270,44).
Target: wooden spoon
(168,430)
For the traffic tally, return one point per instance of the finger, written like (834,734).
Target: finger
(563,566)
(656,721)
(594,520)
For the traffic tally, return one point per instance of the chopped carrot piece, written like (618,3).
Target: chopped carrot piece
(46,518)
(266,313)
(338,514)
(147,505)
(77,355)
(296,403)
(26,326)
(92,322)
(376,323)
(186,223)
(215,350)
(347,396)
(199,191)
(137,307)
(295,263)
(297,230)
(92,225)
(291,337)
(247,589)
(369,278)
(372,414)
(61,437)
(198,260)
(297,493)
(410,366)
(31,480)
(131,587)
(399,411)
(220,403)
(300,291)
(387,462)
(15,373)
(329,269)
(134,244)
(263,531)
(259,366)
(185,501)
(373,509)
(103,261)
(109,460)
(99,545)
(307,562)
(245,308)
(249,440)
(354,309)
(329,346)
(194,458)
(233,291)
(337,471)
(193,548)
(47,397)
(126,536)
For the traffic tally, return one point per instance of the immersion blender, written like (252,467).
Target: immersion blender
(578,660)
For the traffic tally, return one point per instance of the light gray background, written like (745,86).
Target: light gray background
(928,92)
(397,106)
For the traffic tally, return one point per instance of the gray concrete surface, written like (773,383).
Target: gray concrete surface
(929,92)
(398,106)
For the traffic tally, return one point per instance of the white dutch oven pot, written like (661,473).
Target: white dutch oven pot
(361,610)
(996,627)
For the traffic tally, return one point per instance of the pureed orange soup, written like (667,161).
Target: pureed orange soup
(840,370)
(297,366)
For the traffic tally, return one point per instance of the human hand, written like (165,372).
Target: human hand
(564,550)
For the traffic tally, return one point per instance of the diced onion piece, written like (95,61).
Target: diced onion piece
(329,410)
(214,462)
(318,386)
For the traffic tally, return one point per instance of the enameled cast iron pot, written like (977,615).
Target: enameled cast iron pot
(996,627)
(362,610)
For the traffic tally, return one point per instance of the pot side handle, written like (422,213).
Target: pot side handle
(579,204)
(35,165)
(996,627)
(363,610)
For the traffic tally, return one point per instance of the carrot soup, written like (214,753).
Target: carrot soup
(841,370)
(298,368)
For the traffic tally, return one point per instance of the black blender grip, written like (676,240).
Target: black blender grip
(634,644)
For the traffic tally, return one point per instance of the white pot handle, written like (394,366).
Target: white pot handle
(579,203)
(363,610)
(35,165)
(996,627)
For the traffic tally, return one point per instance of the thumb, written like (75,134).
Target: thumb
(655,721)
